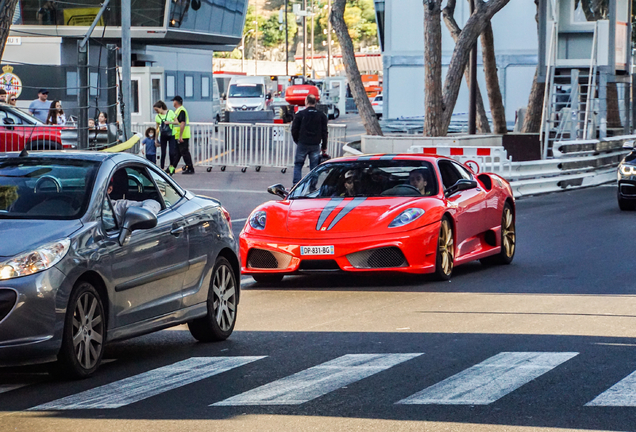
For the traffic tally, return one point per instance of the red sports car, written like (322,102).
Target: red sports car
(398,213)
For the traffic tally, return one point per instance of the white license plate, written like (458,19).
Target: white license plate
(316,250)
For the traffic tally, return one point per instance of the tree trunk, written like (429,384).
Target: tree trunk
(433,100)
(449,19)
(497,110)
(467,39)
(532,120)
(369,119)
(7,8)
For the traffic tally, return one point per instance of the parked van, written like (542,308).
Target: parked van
(249,94)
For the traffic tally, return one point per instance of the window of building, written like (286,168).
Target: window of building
(189,86)
(94,83)
(205,87)
(170,86)
(72,84)
(134,93)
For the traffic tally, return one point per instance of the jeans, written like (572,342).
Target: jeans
(184,151)
(170,144)
(302,151)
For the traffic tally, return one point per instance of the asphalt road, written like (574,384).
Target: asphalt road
(534,346)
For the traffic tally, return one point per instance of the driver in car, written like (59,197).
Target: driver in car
(417,179)
(349,185)
(121,205)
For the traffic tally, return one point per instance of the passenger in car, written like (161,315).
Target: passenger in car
(121,205)
(417,179)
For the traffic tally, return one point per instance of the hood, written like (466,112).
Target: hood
(24,235)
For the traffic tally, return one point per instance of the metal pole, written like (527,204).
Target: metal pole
(329,39)
(472,101)
(126,65)
(111,80)
(286,41)
(82,100)
(304,38)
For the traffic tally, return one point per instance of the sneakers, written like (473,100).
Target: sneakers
(170,170)
(190,171)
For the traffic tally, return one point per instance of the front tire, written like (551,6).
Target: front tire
(84,333)
(222,305)
(508,239)
(445,259)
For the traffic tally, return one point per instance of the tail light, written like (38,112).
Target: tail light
(226,215)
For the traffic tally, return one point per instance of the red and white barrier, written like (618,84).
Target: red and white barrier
(479,159)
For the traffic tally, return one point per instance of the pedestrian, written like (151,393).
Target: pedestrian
(102,121)
(13,100)
(3,95)
(91,123)
(166,135)
(309,130)
(149,144)
(40,107)
(182,127)
(56,114)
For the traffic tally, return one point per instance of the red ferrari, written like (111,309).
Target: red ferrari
(397,213)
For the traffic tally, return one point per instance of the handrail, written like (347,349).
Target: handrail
(591,81)
(547,92)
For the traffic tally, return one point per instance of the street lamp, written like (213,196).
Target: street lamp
(243,49)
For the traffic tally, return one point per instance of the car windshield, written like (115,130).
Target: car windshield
(246,90)
(38,188)
(380,178)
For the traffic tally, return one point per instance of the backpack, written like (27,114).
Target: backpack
(164,129)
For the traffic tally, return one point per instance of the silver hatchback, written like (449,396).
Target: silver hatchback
(99,247)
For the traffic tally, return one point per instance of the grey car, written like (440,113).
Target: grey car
(98,247)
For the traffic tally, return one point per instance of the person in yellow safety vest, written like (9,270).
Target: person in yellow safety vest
(182,135)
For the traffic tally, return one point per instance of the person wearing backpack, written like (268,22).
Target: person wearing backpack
(309,130)
(166,135)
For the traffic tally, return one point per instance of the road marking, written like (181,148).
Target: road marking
(318,380)
(490,380)
(139,387)
(230,190)
(622,394)
(5,388)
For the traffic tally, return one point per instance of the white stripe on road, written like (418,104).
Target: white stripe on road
(4,388)
(622,394)
(318,380)
(490,380)
(148,384)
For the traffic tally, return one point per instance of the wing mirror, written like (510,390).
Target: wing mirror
(136,218)
(8,121)
(461,185)
(278,190)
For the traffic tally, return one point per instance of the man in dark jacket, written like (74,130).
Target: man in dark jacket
(309,130)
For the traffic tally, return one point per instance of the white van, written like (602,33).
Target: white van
(249,94)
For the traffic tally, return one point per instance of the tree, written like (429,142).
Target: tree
(532,120)
(369,120)
(439,108)
(7,8)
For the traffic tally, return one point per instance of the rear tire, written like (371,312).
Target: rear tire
(268,278)
(43,145)
(445,258)
(222,305)
(508,239)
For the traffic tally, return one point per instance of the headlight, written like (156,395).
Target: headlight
(258,220)
(628,170)
(406,217)
(229,107)
(29,263)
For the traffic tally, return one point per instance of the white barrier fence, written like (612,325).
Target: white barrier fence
(248,145)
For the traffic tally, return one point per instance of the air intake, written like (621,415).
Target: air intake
(264,259)
(387,257)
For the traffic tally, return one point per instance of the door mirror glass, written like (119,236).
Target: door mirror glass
(278,190)
(461,185)
(136,218)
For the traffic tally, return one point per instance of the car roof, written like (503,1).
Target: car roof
(77,155)
(388,156)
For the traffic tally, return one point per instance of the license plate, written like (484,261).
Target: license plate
(316,250)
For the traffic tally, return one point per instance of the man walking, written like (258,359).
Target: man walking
(40,107)
(182,135)
(309,129)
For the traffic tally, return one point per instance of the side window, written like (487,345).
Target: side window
(16,120)
(449,174)
(463,172)
(134,184)
(169,193)
(108,216)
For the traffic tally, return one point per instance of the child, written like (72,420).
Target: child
(149,144)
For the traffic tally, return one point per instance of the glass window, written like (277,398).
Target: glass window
(449,173)
(108,216)
(189,86)
(134,92)
(170,86)
(463,171)
(246,91)
(156,89)
(72,83)
(169,193)
(7,114)
(205,87)
(94,83)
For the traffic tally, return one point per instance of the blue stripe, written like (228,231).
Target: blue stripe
(345,210)
(331,205)
(388,157)
(364,158)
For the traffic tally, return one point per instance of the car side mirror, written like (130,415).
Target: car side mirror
(278,190)
(224,96)
(461,185)
(136,218)
(8,121)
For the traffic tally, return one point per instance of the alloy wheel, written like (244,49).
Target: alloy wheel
(508,236)
(88,330)
(224,301)
(446,247)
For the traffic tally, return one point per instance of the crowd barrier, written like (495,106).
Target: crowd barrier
(480,159)
(16,137)
(244,145)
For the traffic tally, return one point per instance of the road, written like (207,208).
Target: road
(532,346)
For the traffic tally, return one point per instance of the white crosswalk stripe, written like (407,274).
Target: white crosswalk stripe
(622,394)
(490,380)
(148,384)
(5,388)
(318,380)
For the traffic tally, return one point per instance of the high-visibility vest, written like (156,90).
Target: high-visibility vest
(186,129)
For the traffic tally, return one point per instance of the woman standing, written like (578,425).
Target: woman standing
(56,114)
(166,134)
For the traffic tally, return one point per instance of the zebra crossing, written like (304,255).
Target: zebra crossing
(481,384)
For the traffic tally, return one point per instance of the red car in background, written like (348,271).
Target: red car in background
(19,129)
(379,213)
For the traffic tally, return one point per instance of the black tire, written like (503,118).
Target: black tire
(268,278)
(209,169)
(336,113)
(84,334)
(218,324)
(508,239)
(43,145)
(626,205)
(445,256)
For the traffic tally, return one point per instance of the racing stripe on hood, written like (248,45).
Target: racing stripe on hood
(345,210)
(331,205)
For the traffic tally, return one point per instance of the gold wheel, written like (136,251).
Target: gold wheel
(508,237)
(446,248)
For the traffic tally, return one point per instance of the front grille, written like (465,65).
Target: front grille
(386,257)
(318,265)
(7,301)
(628,190)
(264,259)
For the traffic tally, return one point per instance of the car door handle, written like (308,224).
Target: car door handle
(177,231)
